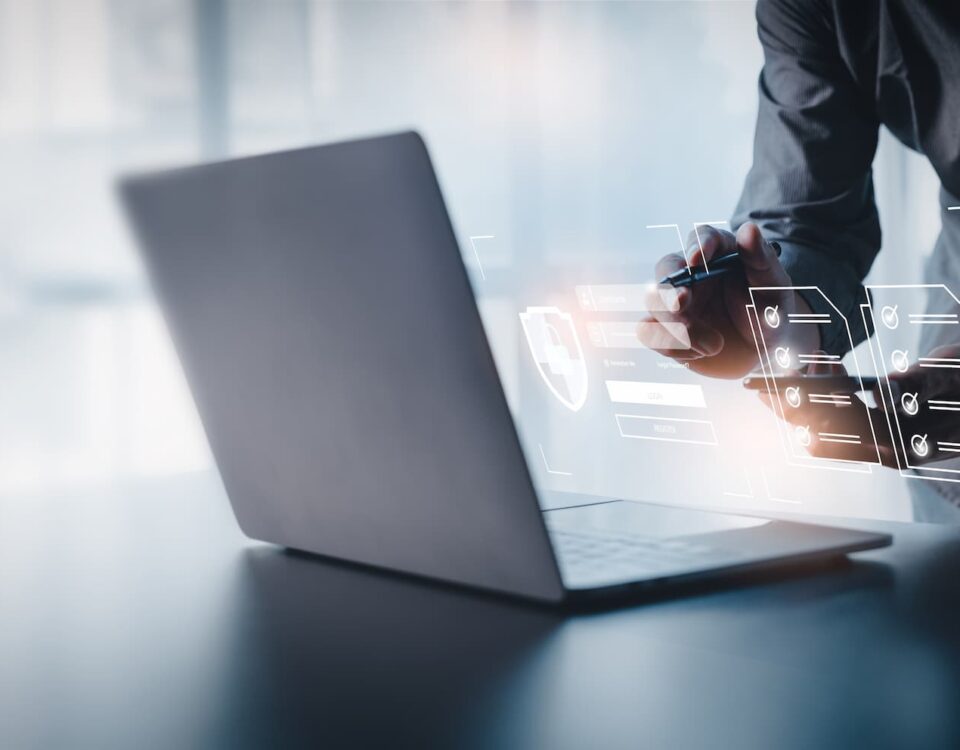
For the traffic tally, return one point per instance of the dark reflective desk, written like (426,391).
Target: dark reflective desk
(139,617)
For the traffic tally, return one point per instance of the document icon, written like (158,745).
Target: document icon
(556,351)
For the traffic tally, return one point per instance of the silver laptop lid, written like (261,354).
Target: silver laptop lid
(326,324)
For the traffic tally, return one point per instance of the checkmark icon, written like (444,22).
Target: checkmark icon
(919,445)
(910,403)
(900,360)
(782,355)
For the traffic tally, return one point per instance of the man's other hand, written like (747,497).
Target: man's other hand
(922,397)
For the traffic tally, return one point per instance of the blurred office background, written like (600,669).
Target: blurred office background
(561,129)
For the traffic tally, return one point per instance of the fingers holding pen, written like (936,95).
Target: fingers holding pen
(664,296)
(760,259)
(706,242)
(680,324)
(703,244)
(676,325)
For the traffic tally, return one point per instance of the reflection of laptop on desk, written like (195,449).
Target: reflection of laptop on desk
(327,327)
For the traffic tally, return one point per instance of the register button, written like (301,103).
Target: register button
(670,430)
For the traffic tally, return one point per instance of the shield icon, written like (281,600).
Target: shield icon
(556,350)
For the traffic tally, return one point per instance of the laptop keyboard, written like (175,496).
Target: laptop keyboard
(592,557)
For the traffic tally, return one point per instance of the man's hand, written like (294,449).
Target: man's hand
(853,418)
(924,399)
(714,312)
(914,393)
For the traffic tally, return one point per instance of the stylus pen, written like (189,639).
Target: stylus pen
(717,267)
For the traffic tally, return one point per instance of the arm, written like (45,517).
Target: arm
(811,187)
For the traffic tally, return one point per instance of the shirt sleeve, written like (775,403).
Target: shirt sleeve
(811,184)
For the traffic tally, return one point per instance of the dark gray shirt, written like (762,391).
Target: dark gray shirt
(835,71)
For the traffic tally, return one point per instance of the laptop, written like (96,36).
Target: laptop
(326,324)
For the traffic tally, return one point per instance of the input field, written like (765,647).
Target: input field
(627,297)
(656,394)
(620,334)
